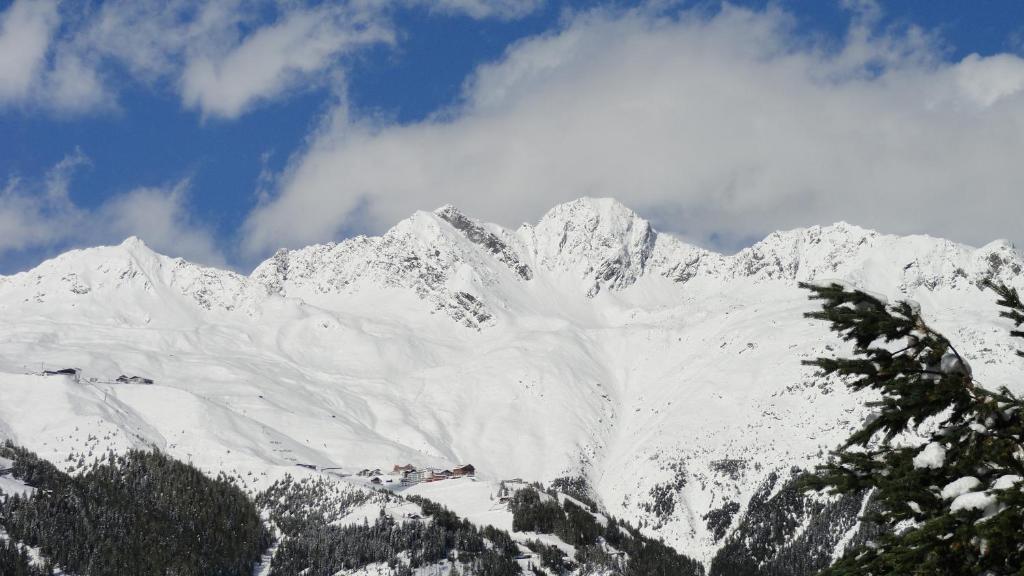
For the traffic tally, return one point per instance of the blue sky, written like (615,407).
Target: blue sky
(285,124)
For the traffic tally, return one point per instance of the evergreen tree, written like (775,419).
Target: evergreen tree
(952,505)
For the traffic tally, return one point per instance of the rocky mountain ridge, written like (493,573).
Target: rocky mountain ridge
(454,263)
(589,345)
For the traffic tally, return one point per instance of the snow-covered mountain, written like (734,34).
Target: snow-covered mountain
(589,344)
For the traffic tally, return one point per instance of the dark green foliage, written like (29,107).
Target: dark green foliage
(719,519)
(770,521)
(294,504)
(31,469)
(663,502)
(532,512)
(649,557)
(577,487)
(785,533)
(334,548)
(1013,309)
(314,544)
(616,535)
(731,467)
(616,547)
(14,561)
(141,513)
(493,563)
(594,559)
(551,557)
(579,526)
(921,378)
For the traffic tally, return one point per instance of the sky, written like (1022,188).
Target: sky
(221,131)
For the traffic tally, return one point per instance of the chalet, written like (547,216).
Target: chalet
(376,480)
(123,379)
(402,469)
(463,470)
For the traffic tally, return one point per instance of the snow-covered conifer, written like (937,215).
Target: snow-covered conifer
(953,504)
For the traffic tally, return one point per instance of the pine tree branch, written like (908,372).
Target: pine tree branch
(978,435)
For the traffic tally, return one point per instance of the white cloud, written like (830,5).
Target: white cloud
(985,81)
(74,86)
(721,127)
(39,70)
(26,30)
(275,58)
(223,57)
(508,9)
(149,37)
(41,217)
(159,216)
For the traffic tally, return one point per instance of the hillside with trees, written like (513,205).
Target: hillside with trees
(139,513)
(609,547)
(316,543)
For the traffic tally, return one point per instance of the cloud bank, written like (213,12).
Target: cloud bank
(41,70)
(41,216)
(223,57)
(721,127)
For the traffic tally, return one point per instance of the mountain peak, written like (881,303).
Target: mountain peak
(135,248)
(134,242)
(600,239)
(448,208)
(608,210)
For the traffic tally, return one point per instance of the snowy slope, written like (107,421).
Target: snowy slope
(587,344)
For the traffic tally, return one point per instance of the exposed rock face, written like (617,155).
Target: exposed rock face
(477,234)
(600,240)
